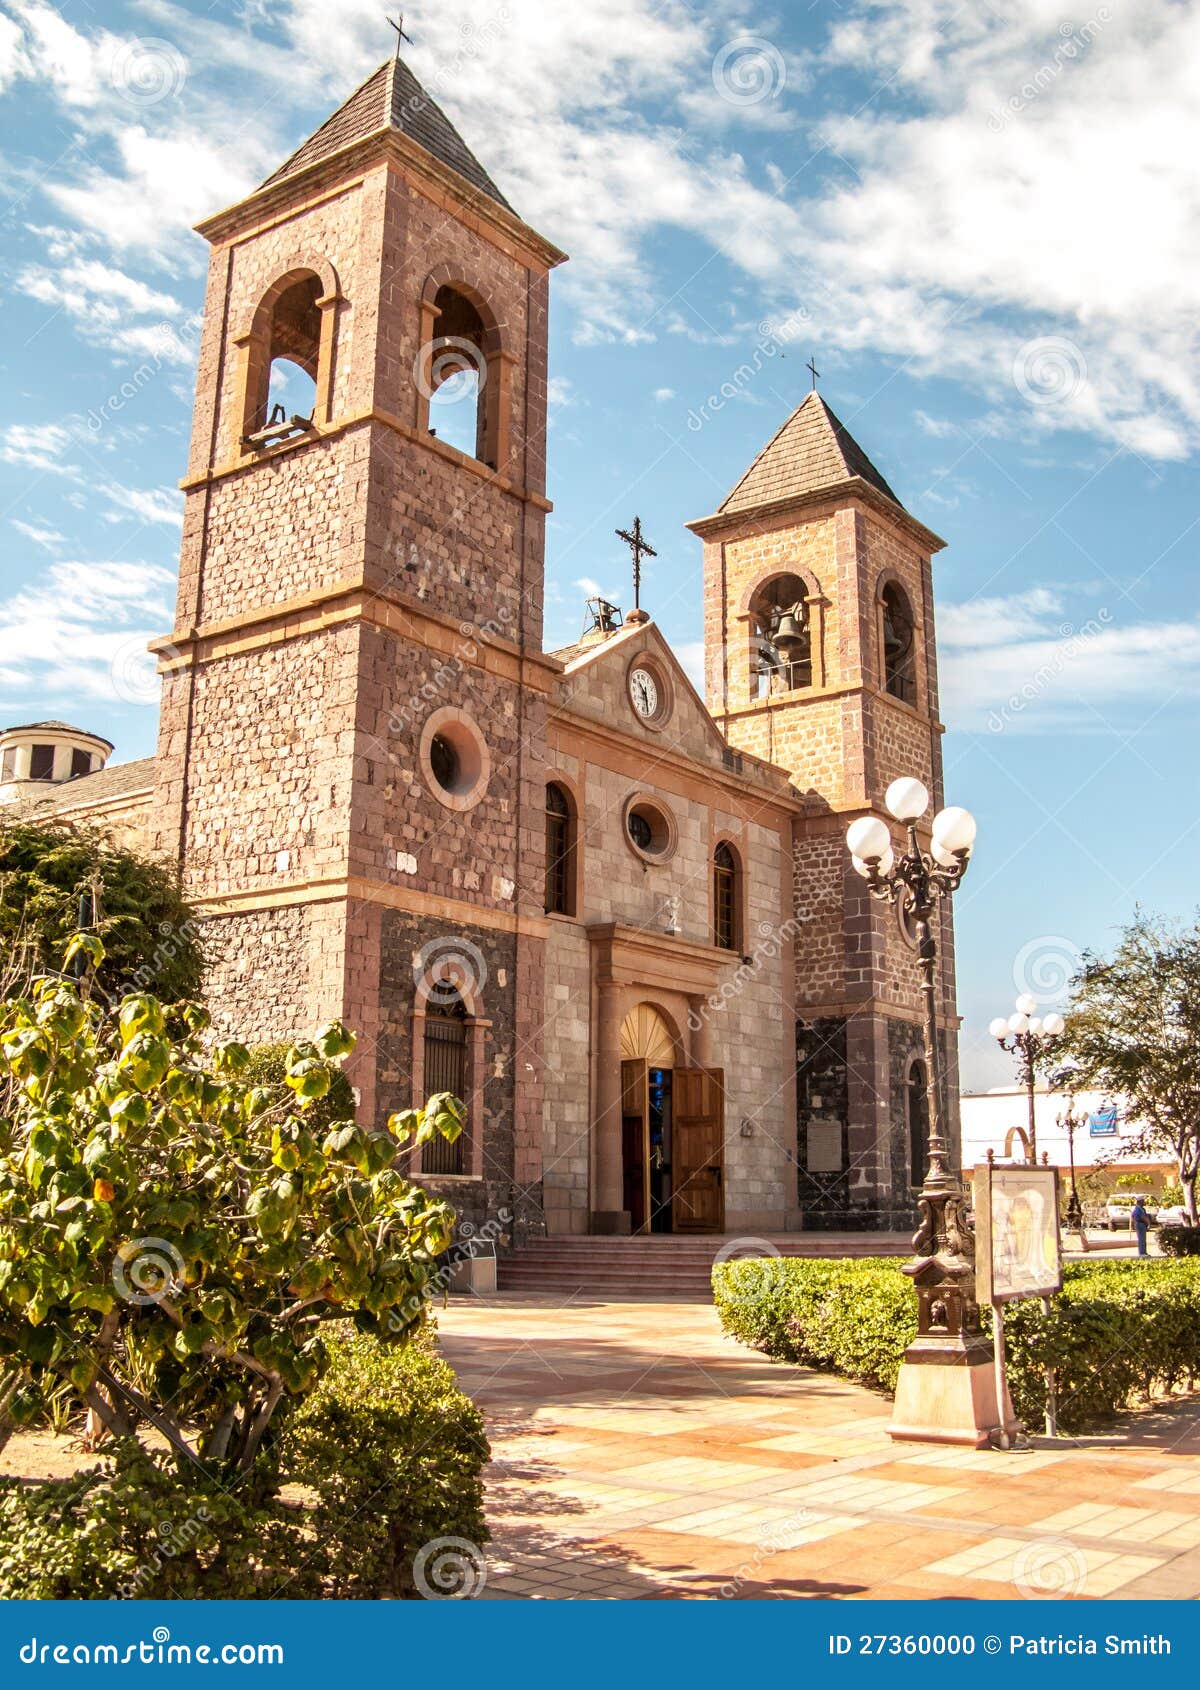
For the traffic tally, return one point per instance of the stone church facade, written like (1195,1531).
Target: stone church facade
(620,920)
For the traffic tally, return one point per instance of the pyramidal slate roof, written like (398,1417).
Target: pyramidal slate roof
(812,451)
(392,98)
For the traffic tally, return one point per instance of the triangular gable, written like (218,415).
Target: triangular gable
(616,652)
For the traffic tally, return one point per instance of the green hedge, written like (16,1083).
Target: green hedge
(384,1456)
(1179,1240)
(1120,1330)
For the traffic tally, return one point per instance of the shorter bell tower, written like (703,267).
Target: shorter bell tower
(820,657)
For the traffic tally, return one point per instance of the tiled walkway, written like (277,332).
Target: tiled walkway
(638,1453)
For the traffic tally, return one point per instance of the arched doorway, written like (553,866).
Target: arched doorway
(648,1058)
(672,1131)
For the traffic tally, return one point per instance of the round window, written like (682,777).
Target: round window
(443,760)
(650,829)
(640,830)
(454,759)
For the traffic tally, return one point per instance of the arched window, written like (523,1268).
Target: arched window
(287,357)
(899,644)
(445,1070)
(560,851)
(783,655)
(726,899)
(916,1108)
(462,413)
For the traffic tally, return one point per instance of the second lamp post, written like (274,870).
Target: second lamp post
(1029,1036)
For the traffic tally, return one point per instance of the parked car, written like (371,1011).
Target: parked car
(1174,1214)
(1119,1208)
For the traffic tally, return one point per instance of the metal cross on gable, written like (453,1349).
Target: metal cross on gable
(812,365)
(640,547)
(398,25)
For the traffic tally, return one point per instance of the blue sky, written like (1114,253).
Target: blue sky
(984,226)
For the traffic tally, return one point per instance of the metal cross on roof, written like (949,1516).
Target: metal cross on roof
(640,548)
(812,365)
(398,26)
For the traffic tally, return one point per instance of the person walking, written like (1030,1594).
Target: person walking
(1139,1220)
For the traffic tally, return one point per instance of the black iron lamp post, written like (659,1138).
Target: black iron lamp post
(1071,1122)
(1030,1037)
(944,1269)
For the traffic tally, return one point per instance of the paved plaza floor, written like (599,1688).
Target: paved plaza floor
(639,1453)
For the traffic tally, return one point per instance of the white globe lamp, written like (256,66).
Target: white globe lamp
(868,838)
(906,799)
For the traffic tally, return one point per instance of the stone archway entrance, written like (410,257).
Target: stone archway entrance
(672,1131)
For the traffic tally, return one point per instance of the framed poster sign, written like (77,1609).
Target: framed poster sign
(1017,1246)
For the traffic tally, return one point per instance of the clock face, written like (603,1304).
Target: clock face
(643,690)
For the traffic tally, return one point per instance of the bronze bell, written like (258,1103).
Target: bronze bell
(789,637)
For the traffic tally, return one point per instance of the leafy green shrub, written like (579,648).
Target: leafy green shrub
(153,941)
(133,1527)
(1179,1240)
(175,1242)
(394,1452)
(267,1065)
(389,1452)
(1119,1330)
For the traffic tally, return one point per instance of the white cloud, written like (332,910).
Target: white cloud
(149,504)
(72,633)
(100,300)
(35,446)
(48,538)
(1020,665)
(662,394)
(691,658)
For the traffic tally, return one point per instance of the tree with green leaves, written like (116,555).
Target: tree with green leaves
(1133,1032)
(174,1239)
(153,941)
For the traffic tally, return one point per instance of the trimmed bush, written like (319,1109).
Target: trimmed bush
(1119,1331)
(389,1452)
(1179,1240)
(394,1452)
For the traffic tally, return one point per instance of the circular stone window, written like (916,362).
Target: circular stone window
(455,760)
(649,829)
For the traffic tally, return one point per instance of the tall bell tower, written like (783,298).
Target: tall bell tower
(820,656)
(353,720)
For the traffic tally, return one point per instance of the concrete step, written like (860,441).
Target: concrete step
(664,1266)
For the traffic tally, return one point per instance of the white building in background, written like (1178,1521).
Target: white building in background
(1106,1138)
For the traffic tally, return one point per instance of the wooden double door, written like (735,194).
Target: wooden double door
(674,1167)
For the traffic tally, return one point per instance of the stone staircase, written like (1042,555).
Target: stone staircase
(664,1268)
